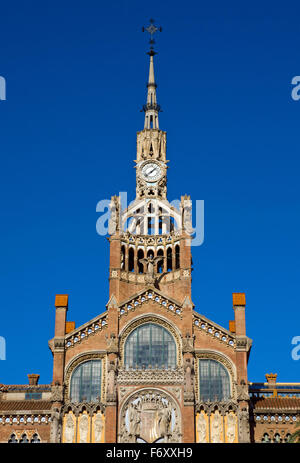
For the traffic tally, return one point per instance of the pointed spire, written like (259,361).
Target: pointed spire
(151,108)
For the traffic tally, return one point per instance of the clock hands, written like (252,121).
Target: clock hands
(151,171)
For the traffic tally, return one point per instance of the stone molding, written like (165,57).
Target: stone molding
(150,376)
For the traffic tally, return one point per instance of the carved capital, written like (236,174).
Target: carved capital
(57,393)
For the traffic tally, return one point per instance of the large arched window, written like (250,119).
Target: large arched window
(150,344)
(214,382)
(86,382)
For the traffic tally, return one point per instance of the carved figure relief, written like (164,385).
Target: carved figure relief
(164,421)
(151,263)
(69,430)
(98,427)
(216,428)
(113,224)
(83,429)
(244,432)
(149,416)
(231,427)
(201,428)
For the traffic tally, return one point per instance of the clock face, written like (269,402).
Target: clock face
(151,172)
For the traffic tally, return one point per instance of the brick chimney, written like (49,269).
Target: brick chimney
(271,378)
(239,303)
(33,379)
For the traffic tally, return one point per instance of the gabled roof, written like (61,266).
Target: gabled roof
(214,330)
(154,294)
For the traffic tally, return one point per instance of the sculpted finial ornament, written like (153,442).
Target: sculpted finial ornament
(112,343)
(151,262)
(189,379)
(188,343)
(186,207)
(114,221)
(111,380)
(242,391)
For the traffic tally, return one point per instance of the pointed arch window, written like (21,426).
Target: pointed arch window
(24,439)
(35,439)
(266,438)
(13,439)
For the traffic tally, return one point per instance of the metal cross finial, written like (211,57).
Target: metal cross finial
(151,29)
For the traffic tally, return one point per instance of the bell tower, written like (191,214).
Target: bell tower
(150,239)
(151,163)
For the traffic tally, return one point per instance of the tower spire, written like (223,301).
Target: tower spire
(151,108)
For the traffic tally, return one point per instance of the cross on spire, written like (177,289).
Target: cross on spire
(151,29)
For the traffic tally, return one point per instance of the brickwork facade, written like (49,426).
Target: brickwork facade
(149,368)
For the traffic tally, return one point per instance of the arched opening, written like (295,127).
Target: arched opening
(214,381)
(150,253)
(266,438)
(24,439)
(122,257)
(151,225)
(177,256)
(160,264)
(160,221)
(169,260)
(13,439)
(35,439)
(140,264)
(150,345)
(86,382)
(131,260)
(277,438)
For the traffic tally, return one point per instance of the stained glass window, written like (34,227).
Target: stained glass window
(214,382)
(86,382)
(150,344)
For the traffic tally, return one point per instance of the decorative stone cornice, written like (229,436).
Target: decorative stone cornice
(77,408)
(213,330)
(59,344)
(154,295)
(210,407)
(150,376)
(155,240)
(243,343)
(90,328)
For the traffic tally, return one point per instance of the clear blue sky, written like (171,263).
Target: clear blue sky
(76,74)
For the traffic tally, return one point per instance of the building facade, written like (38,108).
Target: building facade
(150,368)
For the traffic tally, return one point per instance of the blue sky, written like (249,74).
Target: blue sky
(76,74)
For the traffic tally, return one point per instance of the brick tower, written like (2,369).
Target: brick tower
(149,368)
